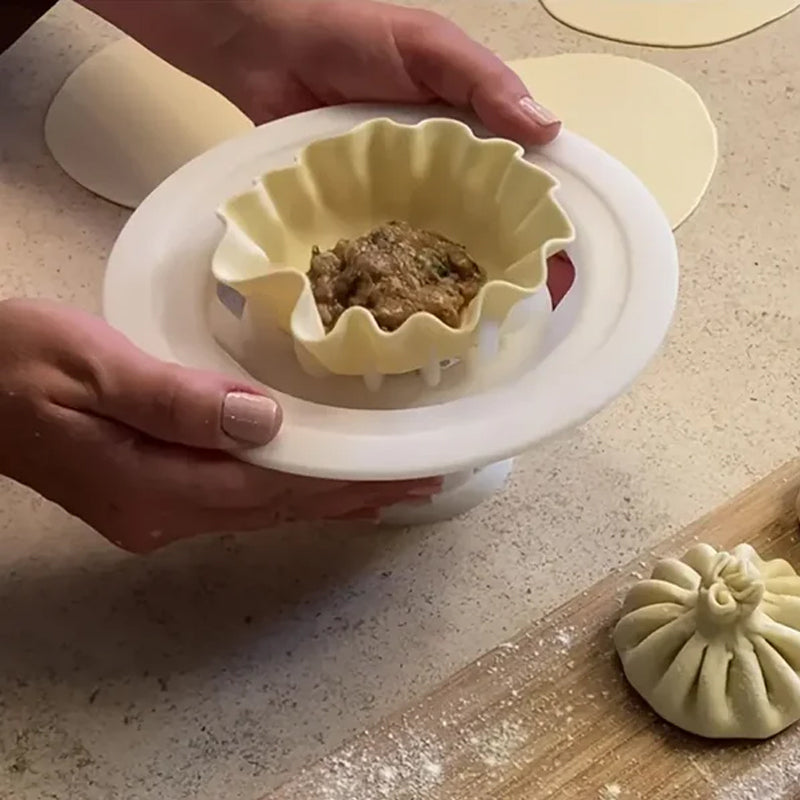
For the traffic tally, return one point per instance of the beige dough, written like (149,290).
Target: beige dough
(669,23)
(125,120)
(504,214)
(712,642)
(647,118)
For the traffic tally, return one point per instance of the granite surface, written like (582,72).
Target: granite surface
(218,667)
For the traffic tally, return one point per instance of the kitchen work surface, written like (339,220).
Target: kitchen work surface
(547,714)
(222,667)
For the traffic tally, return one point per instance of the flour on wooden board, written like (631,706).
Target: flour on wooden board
(775,778)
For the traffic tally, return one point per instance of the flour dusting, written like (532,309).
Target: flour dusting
(775,779)
(412,769)
(496,746)
(564,638)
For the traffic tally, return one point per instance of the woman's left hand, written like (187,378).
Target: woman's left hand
(273,58)
(337,51)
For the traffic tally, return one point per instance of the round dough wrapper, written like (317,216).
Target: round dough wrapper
(125,120)
(647,118)
(712,642)
(669,23)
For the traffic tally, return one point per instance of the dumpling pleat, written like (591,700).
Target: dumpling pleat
(784,609)
(637,626)
(713,708)
(673,571)
(782,682)
(679,683)
(701,559)
(784,638)
(646,662)
(651,592)
(783,588)
(778,568)
(747,689)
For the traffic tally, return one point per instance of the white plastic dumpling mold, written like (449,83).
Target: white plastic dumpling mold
(712,642)
(159,291)
(435,175)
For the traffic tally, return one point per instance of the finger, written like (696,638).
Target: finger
(374,513)
(355,503)
(262,519)
(210,479)
(186,406)
(364,514)
(248,520)
(350,502)
(442,58)
(347,502)
(560,276)
(144,494)
(166,401)
(310,500)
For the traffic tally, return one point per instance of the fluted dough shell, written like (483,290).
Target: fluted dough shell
(436,175)
(712,642)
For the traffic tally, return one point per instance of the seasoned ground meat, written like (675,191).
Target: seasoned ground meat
(395,271)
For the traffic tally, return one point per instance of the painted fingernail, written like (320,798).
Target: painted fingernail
(538,112)
(250,418)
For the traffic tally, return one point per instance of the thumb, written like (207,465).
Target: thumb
(176,404)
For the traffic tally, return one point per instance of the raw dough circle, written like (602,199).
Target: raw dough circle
(712,642)
(647,118)
(669,23)
(125,120)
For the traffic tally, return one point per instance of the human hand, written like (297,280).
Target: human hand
(136,447)
(273,58)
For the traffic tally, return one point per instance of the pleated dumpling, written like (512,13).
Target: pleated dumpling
(712,642)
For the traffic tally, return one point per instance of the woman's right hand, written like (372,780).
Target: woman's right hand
(136,447)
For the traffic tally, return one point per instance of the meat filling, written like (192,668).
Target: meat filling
(395,271)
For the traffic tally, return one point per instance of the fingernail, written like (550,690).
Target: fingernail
(250,418)
(538,112)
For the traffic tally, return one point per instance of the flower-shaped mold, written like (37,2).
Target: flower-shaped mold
(712,642)
(436,175)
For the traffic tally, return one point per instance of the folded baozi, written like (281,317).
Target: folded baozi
(712,642)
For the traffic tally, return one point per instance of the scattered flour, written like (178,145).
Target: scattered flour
(611,791)
(565,637)
(412,769)
(496,747)
(776,779)
(702,770)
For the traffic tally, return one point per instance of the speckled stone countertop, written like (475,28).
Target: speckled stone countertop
(219,667)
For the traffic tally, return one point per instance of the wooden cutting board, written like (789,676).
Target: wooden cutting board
(549,714)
